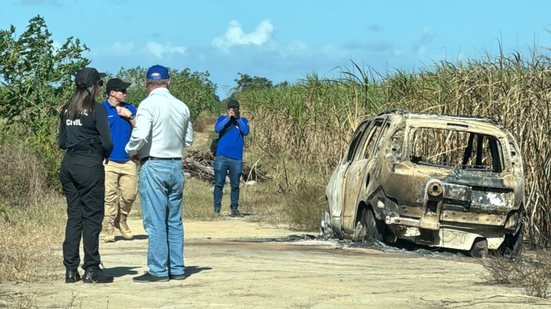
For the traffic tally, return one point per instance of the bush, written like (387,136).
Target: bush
(193,88)
(24,178)
(204,121)
(304,205)
(531,273)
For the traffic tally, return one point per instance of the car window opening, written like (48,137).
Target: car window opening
(456,149)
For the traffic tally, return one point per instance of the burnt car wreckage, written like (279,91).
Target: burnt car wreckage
(442,181)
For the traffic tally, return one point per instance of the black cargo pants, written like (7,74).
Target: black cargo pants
(83,180)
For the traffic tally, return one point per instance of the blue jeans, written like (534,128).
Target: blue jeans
(221,167)
(161,188)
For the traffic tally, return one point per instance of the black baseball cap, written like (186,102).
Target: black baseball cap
(87,77)
(233,103)
(116,84)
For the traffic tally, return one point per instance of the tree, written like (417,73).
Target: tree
(35,79)
(36,76)
(246,82)
(194,88)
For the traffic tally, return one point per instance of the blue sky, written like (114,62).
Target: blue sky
(284,40)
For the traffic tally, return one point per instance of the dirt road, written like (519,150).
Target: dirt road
(233,263)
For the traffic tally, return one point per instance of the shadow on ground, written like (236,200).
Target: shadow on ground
(136,237)
(121,271)
(191,270)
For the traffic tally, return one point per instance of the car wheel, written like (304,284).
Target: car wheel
(513,245)
(480,248)
(326,230)
(368,228)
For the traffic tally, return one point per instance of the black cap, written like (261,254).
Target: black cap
(233,103)
(116,84)
(87,77)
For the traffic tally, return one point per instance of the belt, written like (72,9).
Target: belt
(84,151)
(142,160)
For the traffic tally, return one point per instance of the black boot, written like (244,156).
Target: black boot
(235,213)
(93,274)
(72,276)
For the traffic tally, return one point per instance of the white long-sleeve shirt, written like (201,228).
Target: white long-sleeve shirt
(163,127)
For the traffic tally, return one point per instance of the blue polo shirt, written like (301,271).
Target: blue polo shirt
(121,129)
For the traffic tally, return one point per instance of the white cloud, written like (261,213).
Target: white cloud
(235,35)
(121,49)
(163,50)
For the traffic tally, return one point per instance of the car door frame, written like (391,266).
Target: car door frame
(336,184)
(359,172)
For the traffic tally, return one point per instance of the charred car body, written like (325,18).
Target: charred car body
(443,181)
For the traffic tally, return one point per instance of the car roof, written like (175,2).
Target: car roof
(464,123)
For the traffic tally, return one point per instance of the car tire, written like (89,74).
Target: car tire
(480,248)
(368,227)
(513,245)
(326,231)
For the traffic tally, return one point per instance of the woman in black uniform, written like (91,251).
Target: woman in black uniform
(84,134)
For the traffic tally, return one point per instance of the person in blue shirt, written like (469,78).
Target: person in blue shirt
(121,172)
(232,129)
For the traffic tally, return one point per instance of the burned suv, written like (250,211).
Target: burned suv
(442,181)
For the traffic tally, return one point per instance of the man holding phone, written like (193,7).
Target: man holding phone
(232,129)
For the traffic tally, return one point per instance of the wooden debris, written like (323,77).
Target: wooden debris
(200,165)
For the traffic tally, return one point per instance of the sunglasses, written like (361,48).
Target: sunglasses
(120,90)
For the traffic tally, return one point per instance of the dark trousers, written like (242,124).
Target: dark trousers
(83,180)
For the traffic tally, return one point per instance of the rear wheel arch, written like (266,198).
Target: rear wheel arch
(367,226)
(362,206)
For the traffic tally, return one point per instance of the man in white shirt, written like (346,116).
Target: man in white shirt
(163,127)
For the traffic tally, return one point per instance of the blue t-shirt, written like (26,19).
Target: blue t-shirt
(231,144)
(121,129)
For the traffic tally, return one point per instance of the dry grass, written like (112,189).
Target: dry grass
(30,240)
(260,201)
(31,216)
(23,181)
(304,205)
(289,200)
(28,301)
(532,272)
(204,122)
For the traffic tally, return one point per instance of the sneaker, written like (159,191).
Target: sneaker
(147,277)
(236,213)
(177,277)
(72,276)
(93,274)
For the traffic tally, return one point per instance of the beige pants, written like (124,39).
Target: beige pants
(120,188)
